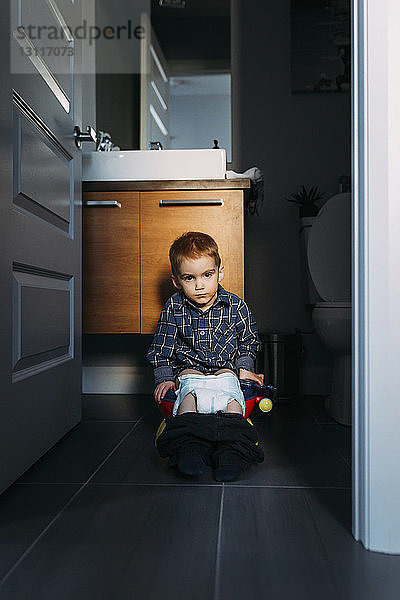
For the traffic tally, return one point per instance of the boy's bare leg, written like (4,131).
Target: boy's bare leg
(233,406)
(188,404)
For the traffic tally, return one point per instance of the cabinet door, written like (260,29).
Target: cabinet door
(111,281)
(164,217)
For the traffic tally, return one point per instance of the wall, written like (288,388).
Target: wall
(295,139)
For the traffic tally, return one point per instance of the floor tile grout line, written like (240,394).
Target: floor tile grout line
(119,483)
(290,487)
(218,550)
(323,542)
(60,512)
(243,485)
(22,483)
(194,484)
(317,529)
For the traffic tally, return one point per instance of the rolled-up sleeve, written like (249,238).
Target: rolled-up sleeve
(161,350)
(248,341)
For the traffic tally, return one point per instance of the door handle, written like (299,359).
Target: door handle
(80,136)
(192,202)
(102,203)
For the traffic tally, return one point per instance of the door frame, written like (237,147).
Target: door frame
(376,268)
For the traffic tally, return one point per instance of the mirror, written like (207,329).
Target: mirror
(181,92)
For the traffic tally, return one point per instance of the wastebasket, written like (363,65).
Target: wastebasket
(280,363)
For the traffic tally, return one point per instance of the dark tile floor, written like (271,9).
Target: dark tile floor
(101,516)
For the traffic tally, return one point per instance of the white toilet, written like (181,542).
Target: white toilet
(329,263)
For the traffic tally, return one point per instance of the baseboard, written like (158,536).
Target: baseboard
(116,380)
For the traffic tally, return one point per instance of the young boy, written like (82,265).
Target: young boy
(206,340)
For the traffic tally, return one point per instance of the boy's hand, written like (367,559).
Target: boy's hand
(257,377)
(162,388)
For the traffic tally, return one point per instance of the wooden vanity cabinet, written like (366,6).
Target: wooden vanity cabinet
(111,263)
(125,251)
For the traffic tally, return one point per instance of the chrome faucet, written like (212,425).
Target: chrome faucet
(104,142)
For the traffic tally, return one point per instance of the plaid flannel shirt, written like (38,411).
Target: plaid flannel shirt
(223,336)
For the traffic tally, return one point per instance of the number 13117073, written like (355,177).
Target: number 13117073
(46,51)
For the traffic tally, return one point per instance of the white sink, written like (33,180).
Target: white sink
(142,165)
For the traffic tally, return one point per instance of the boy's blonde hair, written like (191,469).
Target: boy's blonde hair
(192,244)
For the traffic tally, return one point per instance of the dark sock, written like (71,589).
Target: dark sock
(191,464)
(227,472)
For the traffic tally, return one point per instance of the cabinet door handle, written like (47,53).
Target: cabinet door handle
(181,201)
(102,203)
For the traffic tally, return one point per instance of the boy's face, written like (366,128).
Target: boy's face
(198,278)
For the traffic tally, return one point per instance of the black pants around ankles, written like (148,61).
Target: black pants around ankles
(221,439)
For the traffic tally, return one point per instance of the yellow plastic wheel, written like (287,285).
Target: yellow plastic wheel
(265,405)
(160,429)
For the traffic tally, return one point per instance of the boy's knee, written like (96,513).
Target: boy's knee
(196,371)
(188,372)
(220,371)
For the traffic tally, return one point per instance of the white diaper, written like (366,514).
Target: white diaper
(212,392)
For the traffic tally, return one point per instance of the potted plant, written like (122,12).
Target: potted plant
(306,199)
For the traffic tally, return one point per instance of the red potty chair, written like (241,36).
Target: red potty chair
(253,394)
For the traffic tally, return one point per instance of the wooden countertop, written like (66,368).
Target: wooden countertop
(161,185)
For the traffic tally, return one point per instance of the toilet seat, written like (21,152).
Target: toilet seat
(329,250)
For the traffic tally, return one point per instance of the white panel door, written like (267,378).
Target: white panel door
(40,220)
